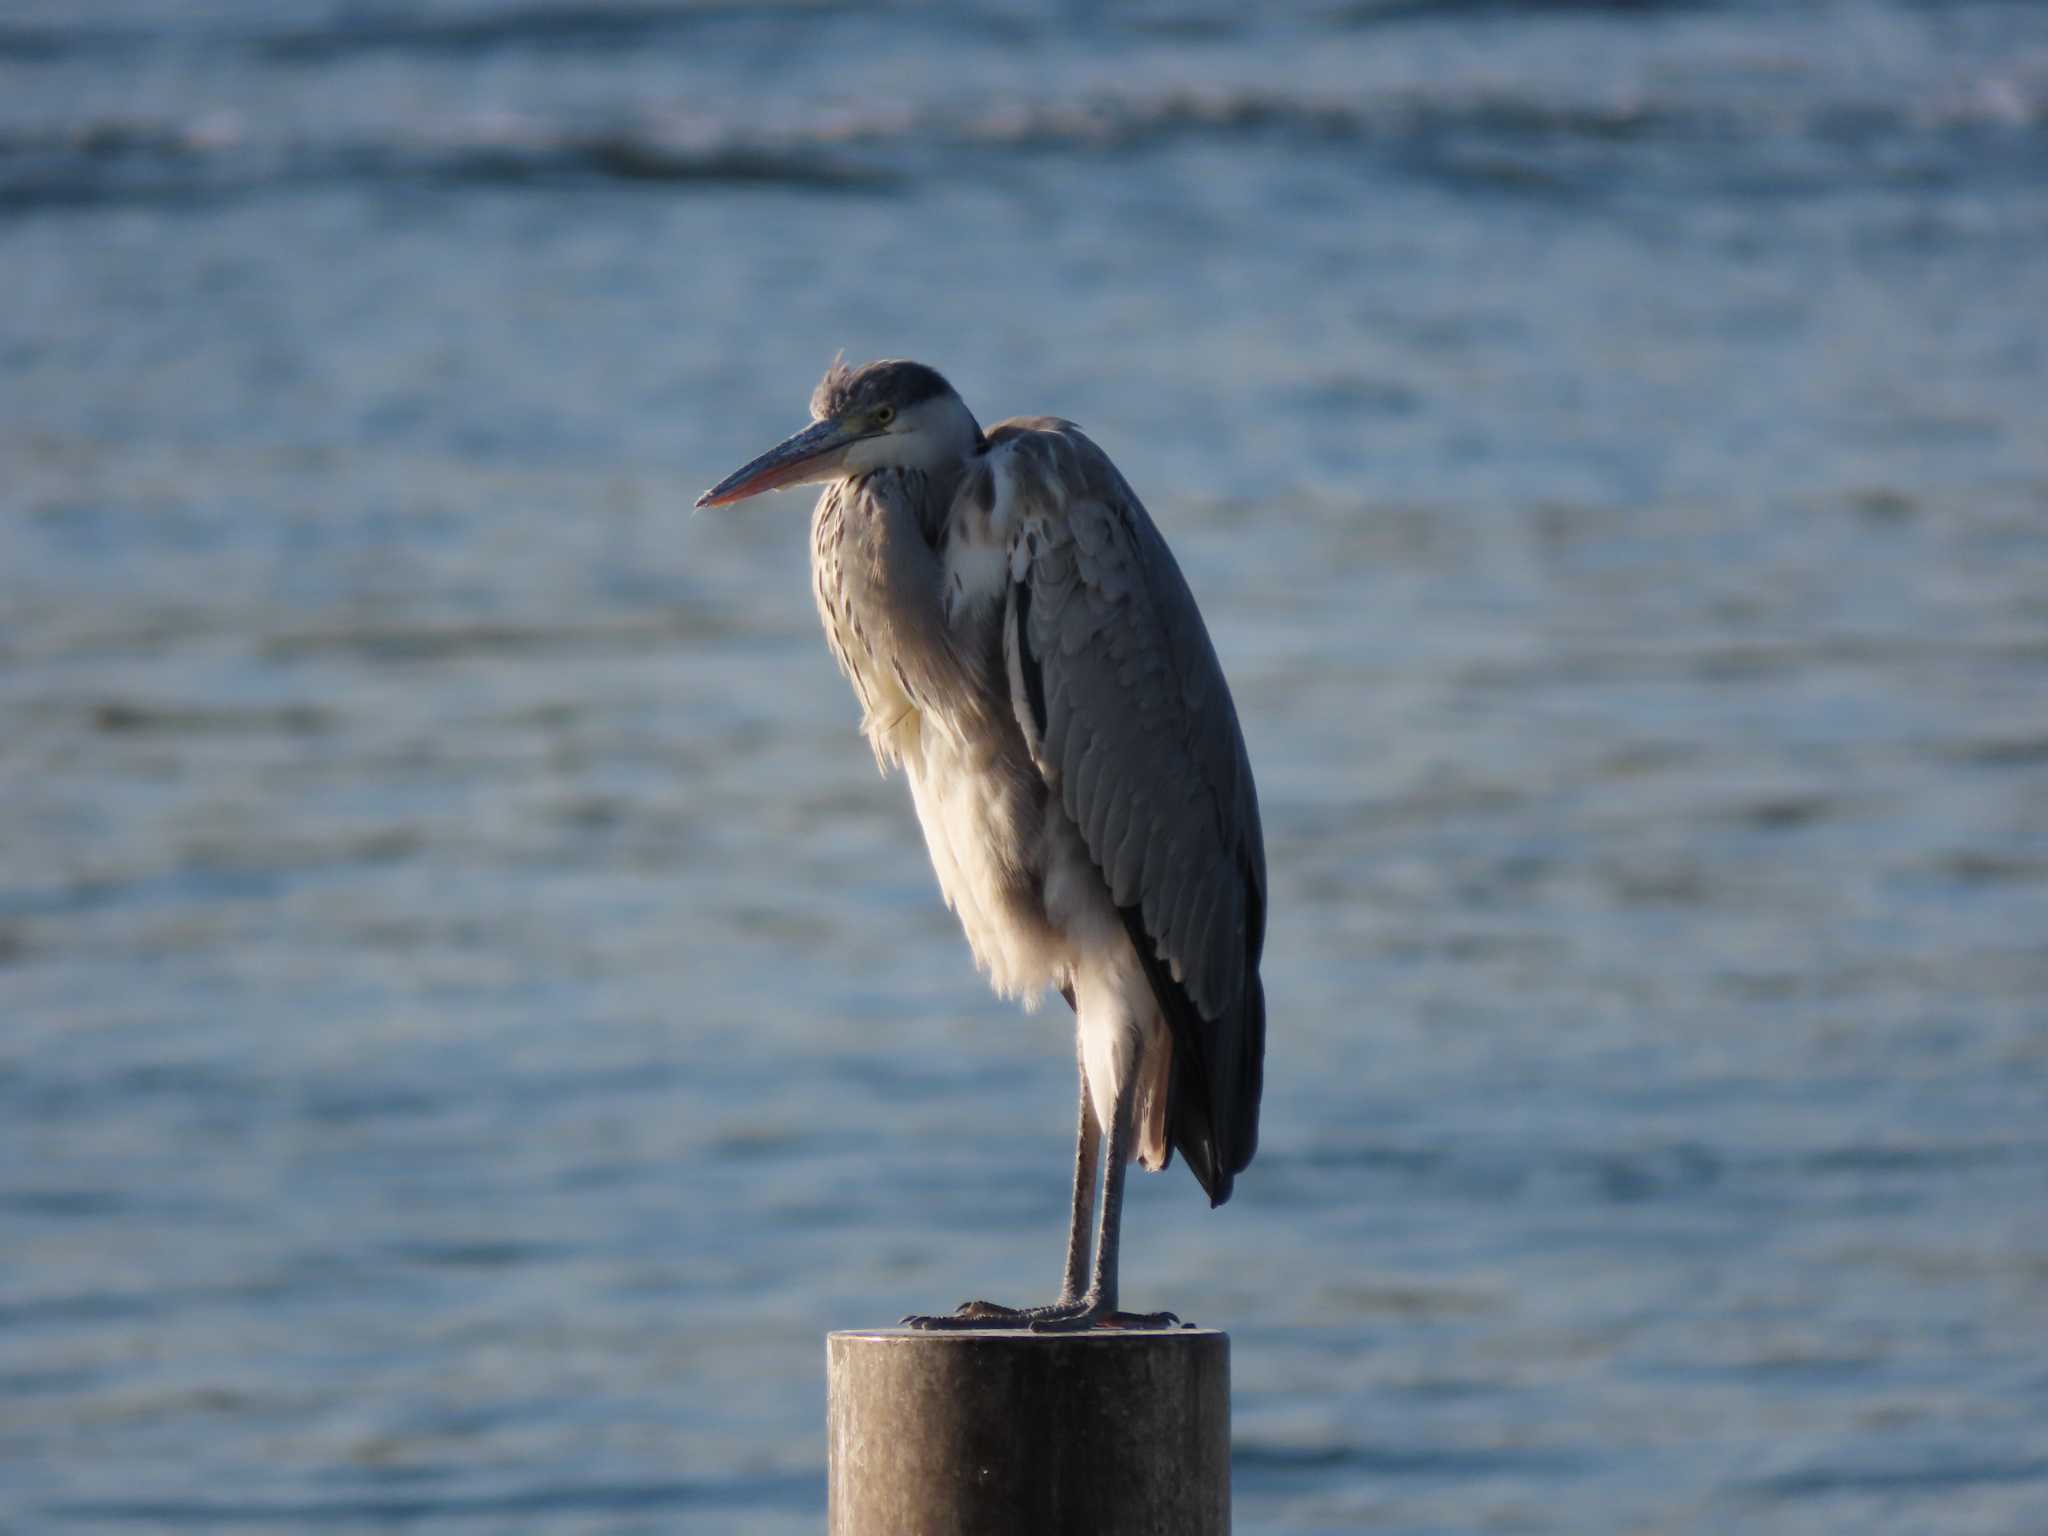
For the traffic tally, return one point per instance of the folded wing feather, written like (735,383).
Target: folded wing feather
(1135,729)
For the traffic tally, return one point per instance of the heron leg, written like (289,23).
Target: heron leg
(989,1314)
(1098,1306)
(1087,1148)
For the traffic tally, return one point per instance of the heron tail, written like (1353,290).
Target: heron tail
(1218,1073)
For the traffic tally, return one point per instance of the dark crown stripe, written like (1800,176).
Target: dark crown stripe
(893,381)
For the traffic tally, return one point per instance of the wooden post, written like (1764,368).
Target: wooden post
(1011,1433)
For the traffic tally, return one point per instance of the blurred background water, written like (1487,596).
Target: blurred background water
(471,1017)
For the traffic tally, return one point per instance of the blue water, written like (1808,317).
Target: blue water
(471,1017)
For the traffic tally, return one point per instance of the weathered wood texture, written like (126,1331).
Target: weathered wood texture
(1106,1433)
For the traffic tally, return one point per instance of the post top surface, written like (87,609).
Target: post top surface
(1098,1336)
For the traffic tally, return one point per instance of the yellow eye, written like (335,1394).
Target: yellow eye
(884,414)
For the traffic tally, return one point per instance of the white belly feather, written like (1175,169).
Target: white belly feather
(977,817)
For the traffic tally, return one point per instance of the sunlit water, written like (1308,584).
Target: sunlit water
(473,1017)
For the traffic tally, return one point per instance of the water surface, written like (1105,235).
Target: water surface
(471,1016)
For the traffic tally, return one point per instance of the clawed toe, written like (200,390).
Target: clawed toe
(1095,1317)
(971,1314)
(990,1311)
(1144,1320)
(992,1315)
(1060,1317)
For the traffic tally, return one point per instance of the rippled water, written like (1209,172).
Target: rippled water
(471,1017)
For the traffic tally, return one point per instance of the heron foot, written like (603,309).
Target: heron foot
(989,1314)
(1095,1315)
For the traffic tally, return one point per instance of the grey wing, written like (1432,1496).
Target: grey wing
(1130,720)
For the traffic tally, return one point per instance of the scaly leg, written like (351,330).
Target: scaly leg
(1098,1306)
(1087,1147)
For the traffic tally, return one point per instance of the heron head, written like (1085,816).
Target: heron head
(888,415)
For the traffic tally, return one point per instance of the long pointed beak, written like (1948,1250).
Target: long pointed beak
(813,454)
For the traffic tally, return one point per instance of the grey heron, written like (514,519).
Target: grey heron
(1024,647)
